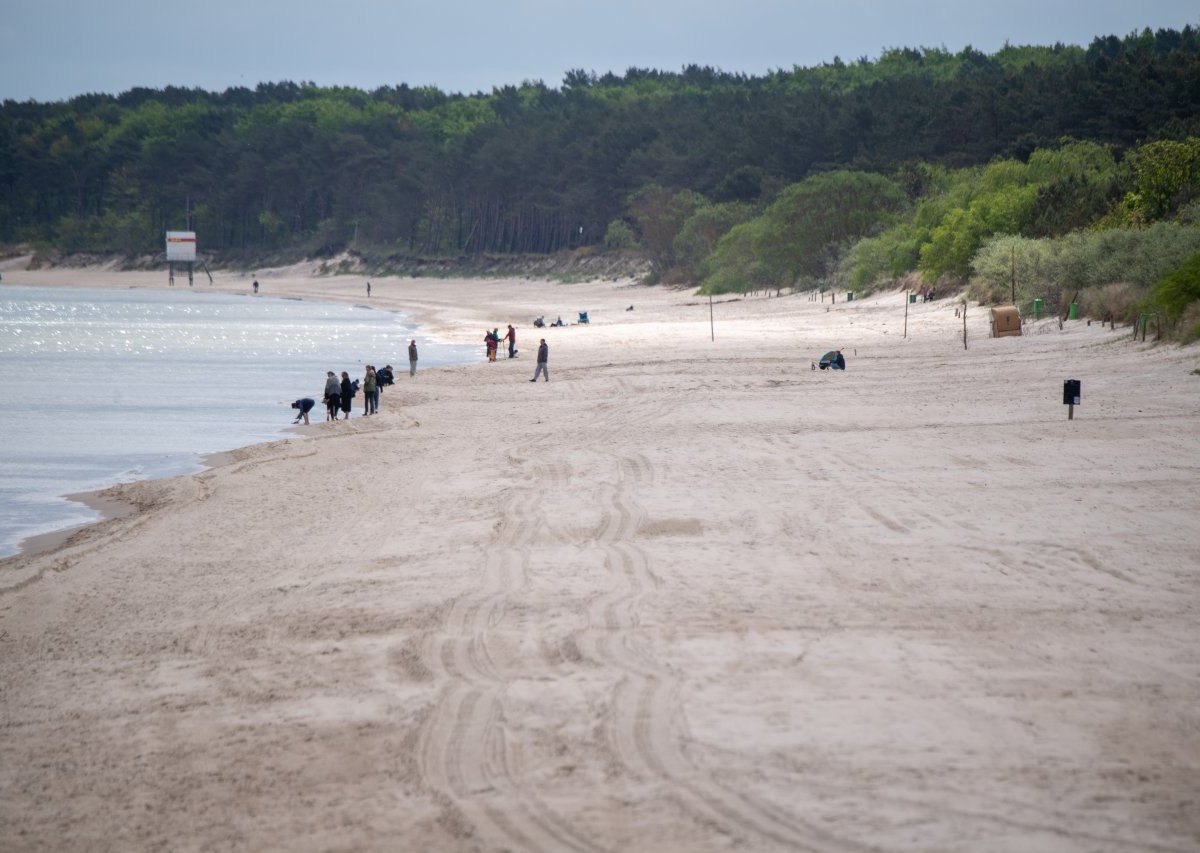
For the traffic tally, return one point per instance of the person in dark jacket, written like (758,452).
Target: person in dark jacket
(347,395)
(304,405)
(412,358)
(543,358)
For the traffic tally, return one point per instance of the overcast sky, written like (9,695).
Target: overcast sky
(56,49)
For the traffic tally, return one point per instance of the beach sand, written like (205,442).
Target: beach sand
(690,595)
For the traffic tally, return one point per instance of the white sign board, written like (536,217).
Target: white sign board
(181,245)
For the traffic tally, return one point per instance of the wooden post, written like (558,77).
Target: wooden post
(964,325)
(906,313)
(712,333)
(1070,411)
(1014,274)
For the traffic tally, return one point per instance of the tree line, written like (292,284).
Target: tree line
(681,164)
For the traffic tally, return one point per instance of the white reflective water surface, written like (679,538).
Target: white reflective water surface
(106,386)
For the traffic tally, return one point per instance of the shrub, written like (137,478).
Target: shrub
(1121,302)
(1178,291)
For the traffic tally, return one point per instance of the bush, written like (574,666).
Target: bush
(1084,259)
(1120,302)
(1178,291)
(619,235)
(1189,324)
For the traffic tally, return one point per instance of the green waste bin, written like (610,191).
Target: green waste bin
(1037,309)
(912,297)
(849,295)
(1073,311)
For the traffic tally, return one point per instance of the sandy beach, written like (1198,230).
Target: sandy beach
(690,595)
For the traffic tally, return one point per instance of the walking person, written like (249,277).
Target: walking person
(333,396)
(412,358)
(370,392)
(256,285)
(543,357)
(511,337)
(347,395)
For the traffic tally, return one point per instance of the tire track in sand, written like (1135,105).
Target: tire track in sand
(646,725)
(464,752)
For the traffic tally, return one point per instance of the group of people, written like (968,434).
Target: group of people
(540,322)
(340,392)
(492,339)
(832,360)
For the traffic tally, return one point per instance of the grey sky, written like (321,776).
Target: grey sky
(56,49)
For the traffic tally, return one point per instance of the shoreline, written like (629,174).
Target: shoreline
(687,595)
(109,508)
(98,500)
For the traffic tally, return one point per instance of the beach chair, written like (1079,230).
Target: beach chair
(583,317)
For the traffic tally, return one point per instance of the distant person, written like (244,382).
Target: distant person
(256,285)
(333,396)
(490,342)
(539,322)
(304,404)
(347,395)
(370,387)
(385,377)
(511,337)
(558,322)
(543,358)
(368,290)
(833,360)
(412,358)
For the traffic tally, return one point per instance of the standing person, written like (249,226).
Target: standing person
(347,395)
(368,290)
(412,358)
(370,392)
(511,337)
(304,404)
(256,285)
(489,342)
(543,357)
(333,396)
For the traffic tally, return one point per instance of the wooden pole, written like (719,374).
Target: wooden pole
(1014,275)
(964,325)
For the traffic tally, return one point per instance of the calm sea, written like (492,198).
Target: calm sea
(115,385)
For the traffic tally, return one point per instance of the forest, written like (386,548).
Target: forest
(1042,163)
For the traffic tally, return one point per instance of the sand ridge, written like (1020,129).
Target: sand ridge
(689,595)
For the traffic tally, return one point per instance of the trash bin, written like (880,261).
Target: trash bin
(1037,309)
(849,295)
(912,297)
(1073,311)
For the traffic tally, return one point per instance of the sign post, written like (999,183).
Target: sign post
(1071,392)
(181,248)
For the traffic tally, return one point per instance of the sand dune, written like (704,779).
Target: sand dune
(689,595)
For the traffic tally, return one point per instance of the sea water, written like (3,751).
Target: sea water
(108,386)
